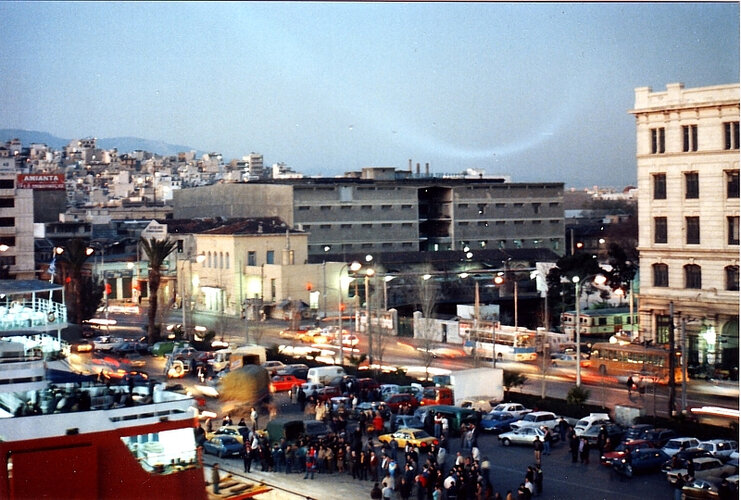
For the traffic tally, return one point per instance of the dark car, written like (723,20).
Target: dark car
(316,429)
(625,447)
(636,431)
(614,434)
(395,401)
(680,460)
(640,461)
(404,422)
(129,347)
(659,437)
(497,421)
(327,393)
(222,446)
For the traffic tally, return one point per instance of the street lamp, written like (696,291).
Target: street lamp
(354,267)
(498,280)
(368,273)
(599,279)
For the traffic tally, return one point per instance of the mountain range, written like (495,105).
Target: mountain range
(122,144)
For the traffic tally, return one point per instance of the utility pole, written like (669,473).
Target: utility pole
(672,361)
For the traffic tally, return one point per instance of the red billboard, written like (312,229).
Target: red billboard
(40,181)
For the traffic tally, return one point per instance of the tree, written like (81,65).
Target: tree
(577,395)
(427,293)
(511,380)
(156,251)
(73,258)
(561,291)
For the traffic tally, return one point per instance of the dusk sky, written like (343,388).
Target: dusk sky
(539,92)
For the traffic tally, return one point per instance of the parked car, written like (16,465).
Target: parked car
(316,429)
(700,489)
(595,420)
(240,433)
(498,421)
(311,388)
(415,437)
(705,468)
(659,437)
(222,446)
(273,367)
(537,419)
(673,446)
(624,448)
(129,347)
(395,401)
(524,435)
(281,383)
(637,431)
(614,434)
(720,448)
(328,392)
(640,461)
(514,408)
(680,459)
(404,422)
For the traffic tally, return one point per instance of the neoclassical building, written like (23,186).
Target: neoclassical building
(688,181)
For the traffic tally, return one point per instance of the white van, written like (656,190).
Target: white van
(324,374)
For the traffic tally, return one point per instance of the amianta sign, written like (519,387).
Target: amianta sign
(40,181)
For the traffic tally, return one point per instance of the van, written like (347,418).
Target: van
(437,396)
(289,429)
(455,415)
(324,374)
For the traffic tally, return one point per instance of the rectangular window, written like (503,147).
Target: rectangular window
(7,202)
(658,140)
(7,184)
(660,233)
(733,230)
(693,230)
(691,185)
(731,135)
(270,257)
(732,187)
(661,275)
(273,289)
(689,138)
(732,278)
(662,328)
(659,186)
(7,221)
(251,258)
(385,207)
(536,208)
(692,276)
(325,207)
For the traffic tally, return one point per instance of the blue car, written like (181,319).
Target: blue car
(641,460)
(497,421)
(222,446)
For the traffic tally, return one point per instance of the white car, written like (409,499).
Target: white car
(106,342)
(536,419)
(673,446)
(514,408)
(312,388)
(273,367)
(720,448)
(525,436)
(350,340)
(594,419)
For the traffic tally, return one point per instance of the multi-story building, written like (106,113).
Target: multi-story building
(382,210)
(16,228)
(688,181)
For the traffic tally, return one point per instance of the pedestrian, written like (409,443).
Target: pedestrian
(574,446)
(547,439)
(253,417)
(215,478)
(630,384)
(538,449)
(584,451)
(538,481)
(563,426)
(247,456)
(375,493)
(301,399)
(310,463)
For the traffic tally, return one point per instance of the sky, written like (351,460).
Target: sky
(536,91)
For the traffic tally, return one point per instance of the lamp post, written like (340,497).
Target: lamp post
(600,280)
(368,273)
(354,267)
(499,280)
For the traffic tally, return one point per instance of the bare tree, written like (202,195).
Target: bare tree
(427,295)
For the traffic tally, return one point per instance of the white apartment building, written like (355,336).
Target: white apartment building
(688,206)
(16,229)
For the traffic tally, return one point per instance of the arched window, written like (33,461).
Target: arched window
(661,275)
(227,260)
(692,276)
(732,278)
(221,260)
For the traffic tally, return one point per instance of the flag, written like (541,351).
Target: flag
(53,267)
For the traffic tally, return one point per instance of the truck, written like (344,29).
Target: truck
(236,357)
(477,388)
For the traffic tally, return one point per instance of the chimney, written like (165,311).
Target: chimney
(427,169)
(410,165)
(417,168)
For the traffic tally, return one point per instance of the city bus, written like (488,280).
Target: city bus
(600,323)
(635,360)
(510,344)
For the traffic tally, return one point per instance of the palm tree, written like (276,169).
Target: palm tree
(512,380)
(73,257)
(157,251)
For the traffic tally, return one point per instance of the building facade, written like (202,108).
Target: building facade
(688,181)
(385,210)
(16,228)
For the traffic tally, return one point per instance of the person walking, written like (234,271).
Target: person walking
(253,417)
(584,451)
(630,384)
(247,456)
(538,449)
(574,446)
(547,439)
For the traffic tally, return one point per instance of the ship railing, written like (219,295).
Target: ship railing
(32,313)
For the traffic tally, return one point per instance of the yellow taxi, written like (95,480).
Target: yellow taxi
(415,437)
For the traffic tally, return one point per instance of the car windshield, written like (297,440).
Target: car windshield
(420,434)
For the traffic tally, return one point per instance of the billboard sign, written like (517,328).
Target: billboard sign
(47,182)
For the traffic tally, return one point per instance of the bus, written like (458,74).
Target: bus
(510,344)
(600,323)
(634,360)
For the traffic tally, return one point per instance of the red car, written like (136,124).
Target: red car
(623,448)
(280,383)
(395,401)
